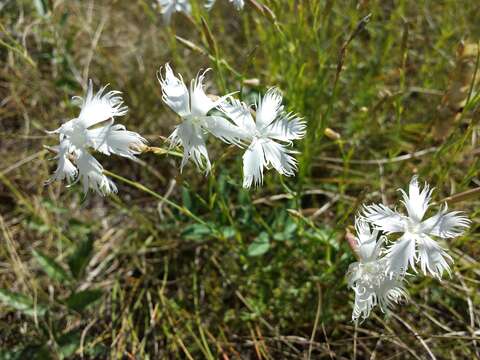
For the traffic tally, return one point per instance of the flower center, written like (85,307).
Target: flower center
(79,137)
(372,274)
(194,119)
(414,227)
(259,135)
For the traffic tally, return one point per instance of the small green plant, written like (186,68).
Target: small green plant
(56,335)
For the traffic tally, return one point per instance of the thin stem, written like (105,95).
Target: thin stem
(465,195)
(161,151)
(156,195)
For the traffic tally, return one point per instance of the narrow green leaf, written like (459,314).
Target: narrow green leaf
(80,258)
(186,198)
(51,267)
(287,233)
(259,246)
(81,300)
(21,303)
(196,232)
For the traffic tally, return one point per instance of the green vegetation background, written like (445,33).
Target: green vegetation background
(229,273)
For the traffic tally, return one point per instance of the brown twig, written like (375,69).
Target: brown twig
(400,158)
(465,195)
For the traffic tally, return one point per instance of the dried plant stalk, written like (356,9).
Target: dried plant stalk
(462,79)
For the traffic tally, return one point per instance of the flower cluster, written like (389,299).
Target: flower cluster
(266,137)
(94,129)
(239,4)
(168,7)
(369,277)
(378,279)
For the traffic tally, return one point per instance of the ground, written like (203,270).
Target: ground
(388,90)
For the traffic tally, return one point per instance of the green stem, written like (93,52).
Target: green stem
(143,188)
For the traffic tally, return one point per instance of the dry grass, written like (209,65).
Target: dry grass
(173,288)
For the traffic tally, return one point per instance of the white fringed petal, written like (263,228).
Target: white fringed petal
(384,218)
(364,303)
(417,201)
(100,107)
(391,292)
(446,224)
(201,104)
(268,108)
(90,173)
(116,139)
(368,246)
(240,115)
(224,130)
(65,129)
(174,92)
(190,135)
(253,164)
(433,258)
(277,156)
(402,254)
(65,170)
(287,128)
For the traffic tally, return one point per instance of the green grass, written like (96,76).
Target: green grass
(188,266)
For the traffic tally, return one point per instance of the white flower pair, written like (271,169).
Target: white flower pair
(377,277)
(168,7)
(94,129)
(266,137)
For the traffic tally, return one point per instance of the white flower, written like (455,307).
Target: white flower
(192,107)
(368,277)
(268,136)
(94,129)
(416,243)
(239,4)
(168,7)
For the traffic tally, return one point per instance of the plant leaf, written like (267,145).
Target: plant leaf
(80,258)
(259,246)
(228,232)
(68,343)
(22,303)
(31,352)
(287,233)
(51,267)
(186,198)
(196,232)
(81,300)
